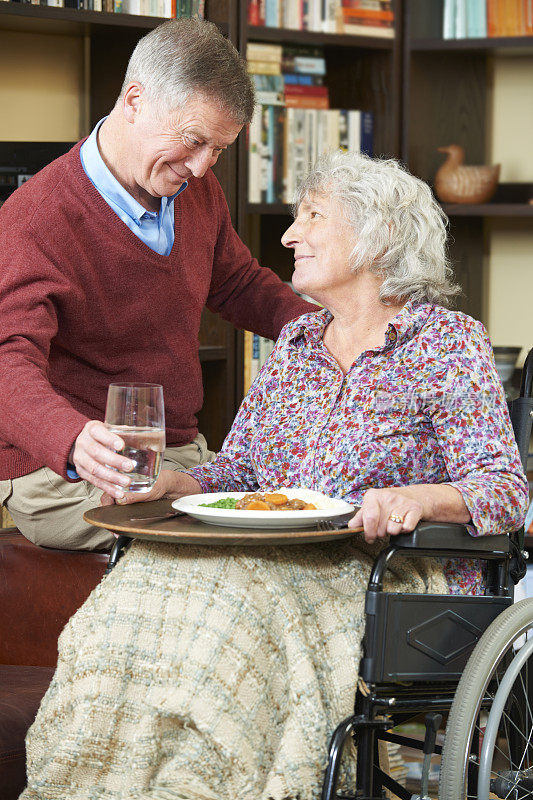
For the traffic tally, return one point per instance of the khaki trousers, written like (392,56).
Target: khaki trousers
(48,510)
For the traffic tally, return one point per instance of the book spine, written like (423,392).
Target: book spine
(528,17)
(354,131)
(460,19)
(482,4)
(368,30)
(279,152)
(270,198)
(448,20)
(271,13)
(253,12)
(247,377)
(254,363)
(254,157)
(367,133)
(303,101)
(310,65)
(264,68)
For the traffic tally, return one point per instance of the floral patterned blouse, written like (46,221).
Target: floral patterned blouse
(426,407)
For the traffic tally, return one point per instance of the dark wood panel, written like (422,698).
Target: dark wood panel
(289,36)
(447,105)
(365,81)
(214,330)
(466,256)
(510,45)
(110,53)
(509,210)
(52,19)
(218,410)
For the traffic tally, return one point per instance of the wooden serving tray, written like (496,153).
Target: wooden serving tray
(187,530)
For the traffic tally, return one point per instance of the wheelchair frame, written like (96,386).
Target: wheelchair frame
(416,647)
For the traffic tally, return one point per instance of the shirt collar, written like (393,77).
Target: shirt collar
(107,184)
(406,324)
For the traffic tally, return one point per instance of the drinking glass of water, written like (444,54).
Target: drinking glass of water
(135,411)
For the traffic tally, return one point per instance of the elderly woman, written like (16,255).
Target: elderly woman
(211,673)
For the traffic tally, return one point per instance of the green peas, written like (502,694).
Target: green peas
(224,502)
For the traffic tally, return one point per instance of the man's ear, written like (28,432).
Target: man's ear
(132,101)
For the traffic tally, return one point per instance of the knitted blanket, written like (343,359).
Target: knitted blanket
(209,673)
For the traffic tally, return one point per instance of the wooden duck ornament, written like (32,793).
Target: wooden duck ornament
(456,182)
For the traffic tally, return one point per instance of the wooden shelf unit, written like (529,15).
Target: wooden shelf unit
(361,72)
(446,96)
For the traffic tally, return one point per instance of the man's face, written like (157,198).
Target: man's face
(170,149)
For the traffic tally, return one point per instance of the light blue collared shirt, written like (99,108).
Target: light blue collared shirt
(155,228)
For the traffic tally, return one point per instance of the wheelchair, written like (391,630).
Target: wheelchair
(435,654)
(467,657)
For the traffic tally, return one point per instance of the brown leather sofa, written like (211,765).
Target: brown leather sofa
(40,589)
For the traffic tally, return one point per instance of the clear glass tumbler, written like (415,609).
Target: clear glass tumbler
(136,412)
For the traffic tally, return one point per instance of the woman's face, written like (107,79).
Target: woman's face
(322,242)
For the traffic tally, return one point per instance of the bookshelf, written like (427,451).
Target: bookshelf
(102,43)
(362,72)
(448,97)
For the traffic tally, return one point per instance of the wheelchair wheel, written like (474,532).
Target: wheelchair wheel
(500,659)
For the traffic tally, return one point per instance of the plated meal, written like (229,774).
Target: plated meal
(283,508)
(263,501)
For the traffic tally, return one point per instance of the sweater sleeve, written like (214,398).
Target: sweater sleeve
(247,295)
(33,416)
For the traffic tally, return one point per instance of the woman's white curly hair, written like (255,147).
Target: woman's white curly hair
(399,228)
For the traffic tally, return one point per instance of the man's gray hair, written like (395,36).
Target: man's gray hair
(186,57)
(399,228)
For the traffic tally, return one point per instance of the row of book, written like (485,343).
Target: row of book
(474,19)
(293,123)
(167,9)
(284,142)
(297,63)
(354,17)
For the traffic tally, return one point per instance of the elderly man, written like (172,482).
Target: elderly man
(107,258)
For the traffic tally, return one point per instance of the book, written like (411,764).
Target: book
(297,96)
(311,65)
(368,30)
(272,8)
(253,12)
(254,156)
(247,367)
(528,17)
(460,19)
(476,19)
(367,18)
(264,67)
(260,51)
(302,79)
(448,19)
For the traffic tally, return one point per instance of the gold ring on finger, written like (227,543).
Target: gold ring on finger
(396,518)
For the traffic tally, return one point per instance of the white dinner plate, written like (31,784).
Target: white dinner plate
(326,508)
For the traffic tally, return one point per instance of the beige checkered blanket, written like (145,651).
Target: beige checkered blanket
(204,673)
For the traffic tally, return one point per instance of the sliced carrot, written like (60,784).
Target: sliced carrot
(276,499)
(257,505)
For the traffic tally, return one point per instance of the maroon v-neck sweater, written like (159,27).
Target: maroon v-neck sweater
(84,303)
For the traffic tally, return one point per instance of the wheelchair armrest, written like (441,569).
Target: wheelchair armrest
(449,536)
